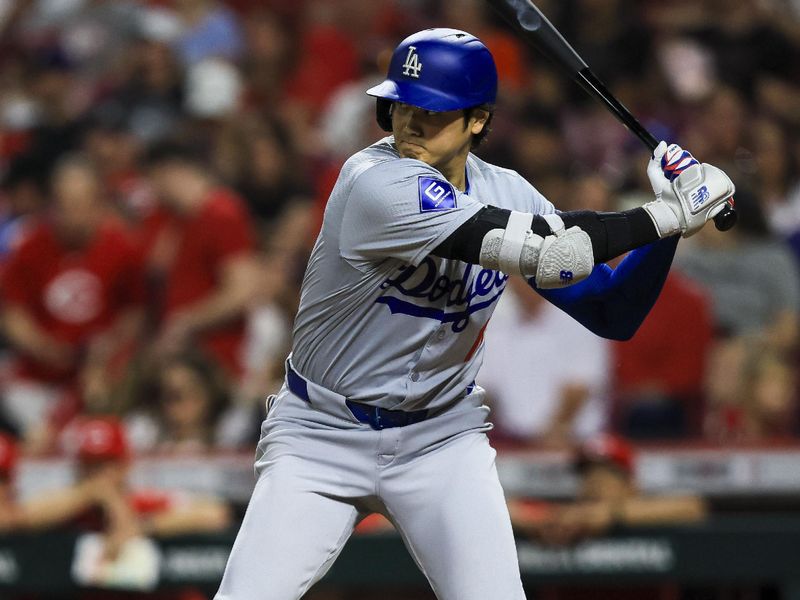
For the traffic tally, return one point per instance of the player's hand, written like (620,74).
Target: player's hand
(693,192)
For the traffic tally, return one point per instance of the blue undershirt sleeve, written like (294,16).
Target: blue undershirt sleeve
(613,303)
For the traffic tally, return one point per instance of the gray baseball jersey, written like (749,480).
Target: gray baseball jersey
(384,322)
(381,320)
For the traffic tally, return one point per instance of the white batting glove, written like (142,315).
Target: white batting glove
(688,194)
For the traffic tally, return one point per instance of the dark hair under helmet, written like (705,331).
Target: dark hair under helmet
(437,70)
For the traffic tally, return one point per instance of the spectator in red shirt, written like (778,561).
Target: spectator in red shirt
(72,299)
(328,59)
(660,373)
(200,254)
(102,501)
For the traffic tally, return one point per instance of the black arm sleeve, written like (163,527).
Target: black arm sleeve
(612,233)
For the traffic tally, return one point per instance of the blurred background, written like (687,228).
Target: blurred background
(150,151)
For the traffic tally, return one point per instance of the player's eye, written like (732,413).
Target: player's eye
(407,108)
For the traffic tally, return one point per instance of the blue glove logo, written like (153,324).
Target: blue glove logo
(699,196)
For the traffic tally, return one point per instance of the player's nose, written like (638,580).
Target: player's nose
(414,122)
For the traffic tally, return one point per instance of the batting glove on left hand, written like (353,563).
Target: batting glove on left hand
(687,193)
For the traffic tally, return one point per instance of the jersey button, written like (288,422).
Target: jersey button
(414,376)
(441,334)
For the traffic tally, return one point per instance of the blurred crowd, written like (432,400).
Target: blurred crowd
(164,167)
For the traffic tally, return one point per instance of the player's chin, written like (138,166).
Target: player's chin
(409,150)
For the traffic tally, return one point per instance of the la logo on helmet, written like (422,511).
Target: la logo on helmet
(412,66)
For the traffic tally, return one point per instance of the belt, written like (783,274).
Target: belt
(383,418)
(376,417)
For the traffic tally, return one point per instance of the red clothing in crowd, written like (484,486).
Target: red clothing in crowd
(329,59)
(668,353)
(145,503)
(72,294)
(219,231)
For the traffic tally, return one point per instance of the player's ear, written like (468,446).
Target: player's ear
(478,120)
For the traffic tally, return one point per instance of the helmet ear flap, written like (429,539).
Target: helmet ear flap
(383,113)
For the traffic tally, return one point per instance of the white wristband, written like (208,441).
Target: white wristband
(665,220)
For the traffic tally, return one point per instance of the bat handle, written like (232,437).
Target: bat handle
(725,218)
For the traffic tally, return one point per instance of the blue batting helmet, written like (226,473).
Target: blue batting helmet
(437,70)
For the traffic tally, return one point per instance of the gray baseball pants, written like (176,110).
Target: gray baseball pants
(320,471)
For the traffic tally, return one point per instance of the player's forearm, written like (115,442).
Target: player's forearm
(556,250)
(611,234)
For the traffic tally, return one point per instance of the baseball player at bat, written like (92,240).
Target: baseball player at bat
(379,411)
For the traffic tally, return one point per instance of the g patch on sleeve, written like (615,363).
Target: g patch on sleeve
(435,194)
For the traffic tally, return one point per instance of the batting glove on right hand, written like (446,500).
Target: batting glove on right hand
(687,193)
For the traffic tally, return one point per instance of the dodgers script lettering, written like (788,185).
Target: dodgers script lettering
(435,293)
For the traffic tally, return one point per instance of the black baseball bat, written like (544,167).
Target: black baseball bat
(534,27)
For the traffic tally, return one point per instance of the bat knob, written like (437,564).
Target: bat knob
(727,217)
